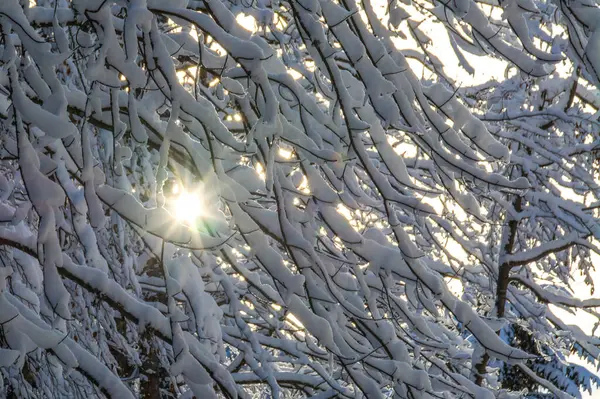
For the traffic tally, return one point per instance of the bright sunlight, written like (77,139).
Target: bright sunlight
(187,206)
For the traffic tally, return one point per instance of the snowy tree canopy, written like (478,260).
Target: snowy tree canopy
(297,198)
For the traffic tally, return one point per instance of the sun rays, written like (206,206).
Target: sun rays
(186,206)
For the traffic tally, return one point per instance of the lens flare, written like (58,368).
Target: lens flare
(188,207)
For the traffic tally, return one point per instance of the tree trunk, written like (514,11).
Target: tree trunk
(509,236)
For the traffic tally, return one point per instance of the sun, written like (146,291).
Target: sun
(187,207)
